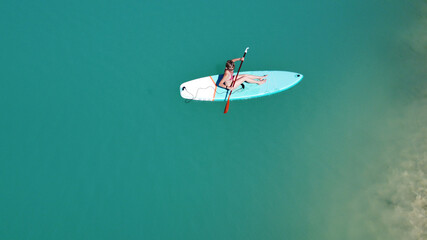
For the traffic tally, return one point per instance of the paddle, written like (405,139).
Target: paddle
(232,84)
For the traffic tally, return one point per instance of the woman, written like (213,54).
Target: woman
(227,79)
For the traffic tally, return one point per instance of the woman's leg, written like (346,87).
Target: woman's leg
(243,79)
(253,76)
(238,82)
(247,79)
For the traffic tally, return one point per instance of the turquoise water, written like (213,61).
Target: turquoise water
(96,142)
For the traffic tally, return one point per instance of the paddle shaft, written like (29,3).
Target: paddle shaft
(232,85)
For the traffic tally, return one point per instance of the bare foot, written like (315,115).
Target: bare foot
(263,77)
(262,81)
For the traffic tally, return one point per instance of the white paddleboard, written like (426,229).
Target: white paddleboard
(207,89)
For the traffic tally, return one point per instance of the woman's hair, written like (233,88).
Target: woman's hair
(229,65)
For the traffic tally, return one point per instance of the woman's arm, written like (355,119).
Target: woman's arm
(224,77)
(238,59)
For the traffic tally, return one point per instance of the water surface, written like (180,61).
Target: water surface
(96,142)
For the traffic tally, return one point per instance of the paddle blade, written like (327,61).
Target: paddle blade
(226,106)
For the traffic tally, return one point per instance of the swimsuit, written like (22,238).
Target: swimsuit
(231,77)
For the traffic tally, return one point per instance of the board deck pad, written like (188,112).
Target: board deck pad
(207,89)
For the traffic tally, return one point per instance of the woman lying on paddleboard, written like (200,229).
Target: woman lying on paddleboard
(228,78)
